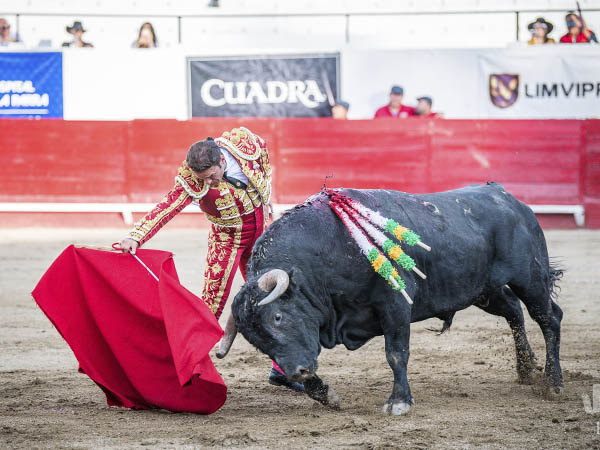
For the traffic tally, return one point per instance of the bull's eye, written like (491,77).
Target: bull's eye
(277,318)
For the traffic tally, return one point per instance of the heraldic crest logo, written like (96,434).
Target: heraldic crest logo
(504,89)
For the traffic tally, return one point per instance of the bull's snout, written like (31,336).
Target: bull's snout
(302,374)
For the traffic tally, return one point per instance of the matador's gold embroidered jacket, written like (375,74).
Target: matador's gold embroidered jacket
(223,205)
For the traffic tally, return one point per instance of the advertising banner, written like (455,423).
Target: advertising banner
(31,84)
(303,85)
(541,85)
(524,82)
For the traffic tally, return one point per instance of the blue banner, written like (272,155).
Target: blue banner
(31,85)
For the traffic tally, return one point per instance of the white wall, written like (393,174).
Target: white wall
(124,85)
(128,84)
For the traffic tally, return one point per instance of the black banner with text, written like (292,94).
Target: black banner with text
(263,86)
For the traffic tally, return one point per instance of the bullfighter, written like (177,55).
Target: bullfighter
(229,178)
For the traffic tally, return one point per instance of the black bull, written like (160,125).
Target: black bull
(488,250)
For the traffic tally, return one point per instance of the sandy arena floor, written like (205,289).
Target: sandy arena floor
(463,382)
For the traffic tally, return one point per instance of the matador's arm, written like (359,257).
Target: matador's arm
(171,205)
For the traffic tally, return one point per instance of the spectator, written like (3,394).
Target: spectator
(578,32)
(340,110)
(146,37)
(423,108)
(540,29)
(77,31)
(395,108)
(6,37)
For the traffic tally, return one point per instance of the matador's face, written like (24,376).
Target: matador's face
(214,174)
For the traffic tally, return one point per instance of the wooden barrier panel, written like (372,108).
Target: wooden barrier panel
(538,161)
(157,148)
(541,162)
(60,161)
(367,154)
(590,173)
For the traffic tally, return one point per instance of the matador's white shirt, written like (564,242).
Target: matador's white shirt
(233,167)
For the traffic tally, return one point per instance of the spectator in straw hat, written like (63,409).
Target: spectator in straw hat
(77,31)
(540,29)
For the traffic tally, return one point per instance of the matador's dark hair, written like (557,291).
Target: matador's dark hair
(203,154)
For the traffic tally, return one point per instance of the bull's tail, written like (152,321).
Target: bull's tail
(556,274)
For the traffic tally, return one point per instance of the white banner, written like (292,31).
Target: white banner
(547,84)
(524,82)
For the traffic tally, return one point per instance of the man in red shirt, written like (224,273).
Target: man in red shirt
(578,33)
(423,108)
(395,108)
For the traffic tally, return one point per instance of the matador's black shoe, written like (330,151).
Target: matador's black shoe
(276,378)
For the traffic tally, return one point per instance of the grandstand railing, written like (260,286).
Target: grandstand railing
(346,15)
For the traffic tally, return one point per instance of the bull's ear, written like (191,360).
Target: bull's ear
(297,277)
(313,293)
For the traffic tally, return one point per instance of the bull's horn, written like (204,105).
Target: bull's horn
(275,281)
(228,338)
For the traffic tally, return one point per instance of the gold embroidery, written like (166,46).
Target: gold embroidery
(143,227)
(222,203)
(188,174)
(246,146)
(230,213)
(215,285)
(222,254)
(212,247)
(216,269)
(229,223)
(237,239)
(238,143)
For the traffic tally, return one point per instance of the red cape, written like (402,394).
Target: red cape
(145,343)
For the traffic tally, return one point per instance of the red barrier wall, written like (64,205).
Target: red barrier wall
(590,173)
(540,161)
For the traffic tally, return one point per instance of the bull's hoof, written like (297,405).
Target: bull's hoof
(553,392)
(319,391)
(527,378)
(548,391)
(396,409)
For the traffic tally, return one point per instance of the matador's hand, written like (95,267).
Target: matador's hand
(129,245)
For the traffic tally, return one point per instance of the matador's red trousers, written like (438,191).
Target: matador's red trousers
(228,249)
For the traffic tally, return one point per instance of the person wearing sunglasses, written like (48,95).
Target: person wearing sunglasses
(540,29)
(6,37)
(578,32)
